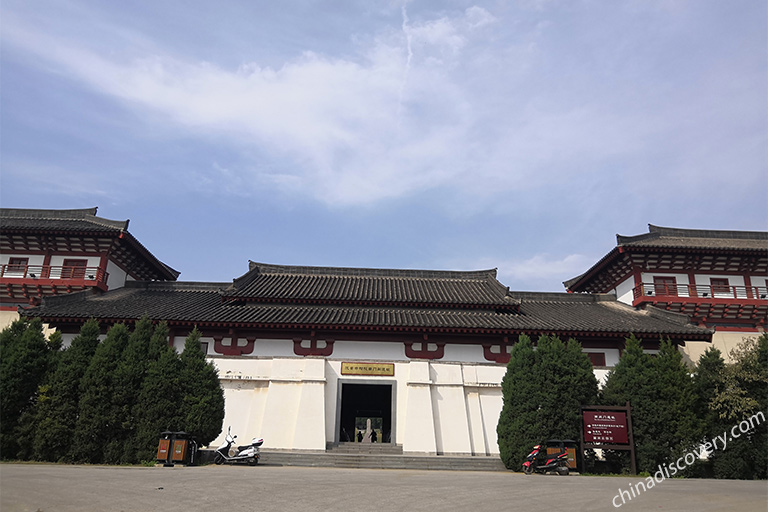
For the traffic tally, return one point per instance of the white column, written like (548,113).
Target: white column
(310,419)
(477,435)
(294,415)
(450,410)
(419,433)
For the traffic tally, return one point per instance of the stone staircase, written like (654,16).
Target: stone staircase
(379,456)
(370,456)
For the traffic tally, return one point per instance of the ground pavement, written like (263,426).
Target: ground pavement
(62,488)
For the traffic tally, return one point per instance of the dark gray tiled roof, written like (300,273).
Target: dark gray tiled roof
(57,220)
(371,286)
(200,303)
(697,239)
(72,223)
(675,240)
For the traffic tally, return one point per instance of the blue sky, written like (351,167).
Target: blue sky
(521,135)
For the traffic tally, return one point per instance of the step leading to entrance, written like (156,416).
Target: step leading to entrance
(346,458)
(361,448)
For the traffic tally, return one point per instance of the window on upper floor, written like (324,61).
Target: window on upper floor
(665,285)
(762,292)
(596,358)
(17,264)
(16,267)
(719,285)
(74,269)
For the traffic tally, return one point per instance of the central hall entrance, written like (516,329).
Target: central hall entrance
(366,413)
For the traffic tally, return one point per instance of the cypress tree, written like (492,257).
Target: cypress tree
(203,405)
(57,416)
(631,381)
(708,378)
(99,425)
(159,402)
(517,429)
(744,393)
(676,424)
(542,390)
(25,358)
(128,378)
(569,381)
(660,391)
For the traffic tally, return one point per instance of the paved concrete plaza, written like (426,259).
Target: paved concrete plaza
(60,488)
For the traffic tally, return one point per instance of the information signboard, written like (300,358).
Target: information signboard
(609,427)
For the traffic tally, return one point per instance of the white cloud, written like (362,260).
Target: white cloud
(450,100)
(537,272)
(341,119)
(48,178)
(478,17)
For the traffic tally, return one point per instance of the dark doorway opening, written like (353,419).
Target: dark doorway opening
(362,402)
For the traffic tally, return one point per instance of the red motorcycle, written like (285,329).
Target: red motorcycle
(539,462)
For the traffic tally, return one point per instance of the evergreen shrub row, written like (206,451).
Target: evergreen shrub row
(675,409)
(102,402)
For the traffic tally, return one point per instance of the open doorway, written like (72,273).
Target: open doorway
(366,413)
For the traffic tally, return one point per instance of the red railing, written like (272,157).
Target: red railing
(95,274)
(700,291)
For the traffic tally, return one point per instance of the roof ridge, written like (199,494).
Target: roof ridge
(84,214)
(35,213)
(563,297)
(656,232)
(267,268)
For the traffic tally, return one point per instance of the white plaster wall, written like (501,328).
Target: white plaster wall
(67,338)
(724,341)
(419,424)
(463,353)
(439,406)
(482,384)
(491,402)
(7,318)
(364,350)
(624,291)
(117,276)
(281,400)
(602,376)
(452,433)
(245,402)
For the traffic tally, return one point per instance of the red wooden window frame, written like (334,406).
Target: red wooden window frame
(719,285)
(596,358)
(16,264)
(74,269)
(665,285)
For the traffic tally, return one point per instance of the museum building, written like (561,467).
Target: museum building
(718,279)
(305,354)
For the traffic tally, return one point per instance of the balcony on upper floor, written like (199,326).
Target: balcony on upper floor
(706,302)
(28,282)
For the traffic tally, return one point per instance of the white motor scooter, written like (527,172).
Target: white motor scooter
(228,454)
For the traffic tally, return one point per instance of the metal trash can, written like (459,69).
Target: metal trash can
(164,448)
(176,447)
(182,448)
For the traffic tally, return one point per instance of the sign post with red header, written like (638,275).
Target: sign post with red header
(608,427)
